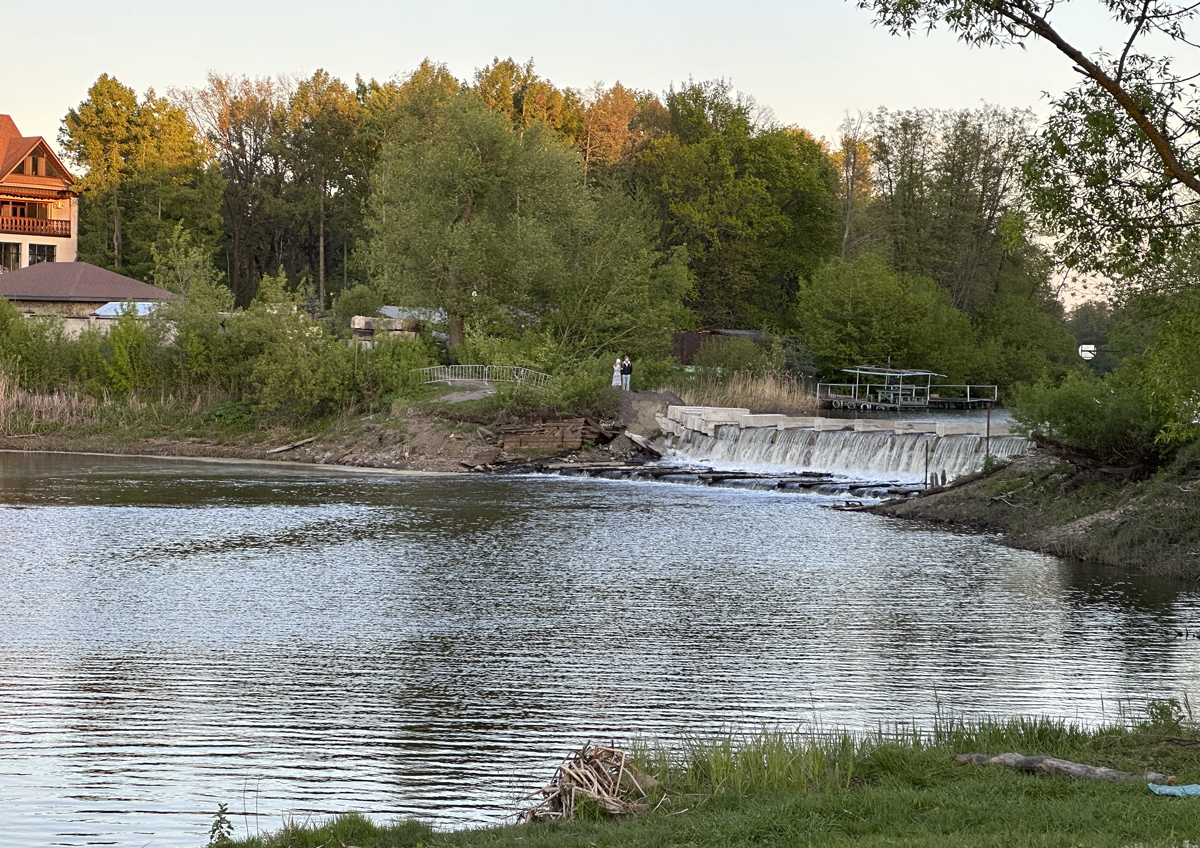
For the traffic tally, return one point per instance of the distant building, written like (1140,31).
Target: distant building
(687,345)
(39,213)
(75,290)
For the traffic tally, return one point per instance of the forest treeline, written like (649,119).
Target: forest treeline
(559,227)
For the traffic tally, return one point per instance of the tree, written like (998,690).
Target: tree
(951,203)
(240,118)
(494,224)
(321,138)
(518,93)
(861,312)
(852,159)
(1117,168)
(608,138)
(754,205)
(146,169)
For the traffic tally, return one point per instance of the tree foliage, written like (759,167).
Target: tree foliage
(145,172)
(1118,167)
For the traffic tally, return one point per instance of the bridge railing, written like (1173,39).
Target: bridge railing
(485,374)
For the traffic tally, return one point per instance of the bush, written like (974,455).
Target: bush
(1110,417)
(729,355)
(583,391)
(303,373)
(388,370)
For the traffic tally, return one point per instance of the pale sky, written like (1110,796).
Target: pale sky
(810,61)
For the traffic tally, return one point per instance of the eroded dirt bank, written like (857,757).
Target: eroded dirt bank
(421,439)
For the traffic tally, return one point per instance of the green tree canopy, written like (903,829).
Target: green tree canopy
(145,170)
(1118,167)
(494,224)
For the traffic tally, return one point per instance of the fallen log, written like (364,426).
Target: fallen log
(292,445)
(1051,765)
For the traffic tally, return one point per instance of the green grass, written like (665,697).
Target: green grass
(893,788)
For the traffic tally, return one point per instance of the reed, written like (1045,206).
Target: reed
(23,412)
(766,393)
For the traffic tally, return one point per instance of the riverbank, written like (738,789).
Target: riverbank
(1042,503)
(418,441)
(887,788)
(450,434)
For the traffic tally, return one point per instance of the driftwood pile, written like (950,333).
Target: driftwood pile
(1051,765)
(597,773)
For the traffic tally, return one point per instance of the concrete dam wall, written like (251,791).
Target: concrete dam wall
(884,448)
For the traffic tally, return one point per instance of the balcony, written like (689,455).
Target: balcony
(35,227)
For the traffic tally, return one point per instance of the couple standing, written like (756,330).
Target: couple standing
(622,373)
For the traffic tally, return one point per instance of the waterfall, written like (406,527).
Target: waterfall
(884,455)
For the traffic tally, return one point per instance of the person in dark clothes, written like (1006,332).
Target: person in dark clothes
(626,373)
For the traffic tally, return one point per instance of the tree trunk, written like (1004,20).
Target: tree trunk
(116,235)
(321,256)
(454,312)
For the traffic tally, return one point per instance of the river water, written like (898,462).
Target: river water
(299,641)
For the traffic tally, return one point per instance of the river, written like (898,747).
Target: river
(295,641)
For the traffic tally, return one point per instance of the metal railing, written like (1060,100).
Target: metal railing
(35,226)
(882,393)
(964,392)
(485,374)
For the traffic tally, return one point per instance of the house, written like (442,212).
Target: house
(75,290)
(39,213)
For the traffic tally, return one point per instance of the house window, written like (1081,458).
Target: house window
(37,164)
(20,209)
(10,256)
(41,253)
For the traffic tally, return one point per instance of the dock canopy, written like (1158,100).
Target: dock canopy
(880,371)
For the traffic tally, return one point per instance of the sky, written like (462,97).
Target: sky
(811,62)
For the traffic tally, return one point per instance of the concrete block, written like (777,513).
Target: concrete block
(833,424)
(789,423)
(946,428)
(723,415)
(762,420)
(680,413)
(915,427)
(872,425)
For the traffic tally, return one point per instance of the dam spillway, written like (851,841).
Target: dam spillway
(883,448)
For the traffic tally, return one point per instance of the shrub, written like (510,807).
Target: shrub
(388,370)
(729,355)
(1111,417)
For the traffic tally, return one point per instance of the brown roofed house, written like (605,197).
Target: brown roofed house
(39,213)
(74,290)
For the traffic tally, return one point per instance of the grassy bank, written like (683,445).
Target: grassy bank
(888,788)
(1045,504)
(765,393)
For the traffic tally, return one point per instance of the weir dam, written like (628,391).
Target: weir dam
(882,448)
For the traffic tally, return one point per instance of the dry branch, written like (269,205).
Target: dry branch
(292,445)
(1052,765)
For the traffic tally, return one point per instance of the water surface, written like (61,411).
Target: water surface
(299,641)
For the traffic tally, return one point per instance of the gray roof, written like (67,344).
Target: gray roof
(75,282)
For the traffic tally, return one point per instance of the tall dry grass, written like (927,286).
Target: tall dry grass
(769,393)
(22,412)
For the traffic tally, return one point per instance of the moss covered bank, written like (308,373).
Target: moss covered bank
(1041,503)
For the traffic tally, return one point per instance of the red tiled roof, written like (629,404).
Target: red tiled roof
(75,281)
(14,147)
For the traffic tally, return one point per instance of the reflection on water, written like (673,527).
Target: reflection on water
(303,641)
